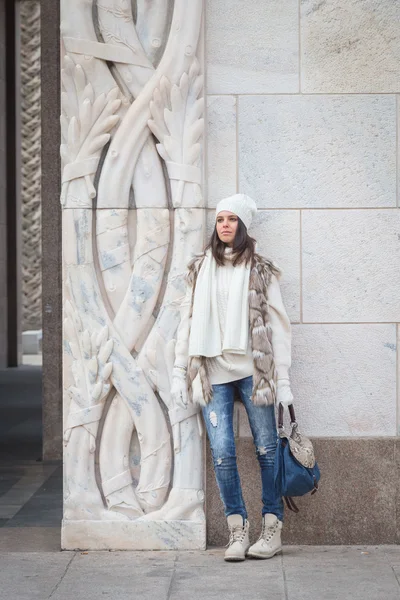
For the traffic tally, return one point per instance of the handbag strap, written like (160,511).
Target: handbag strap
(280,415)
(291,504)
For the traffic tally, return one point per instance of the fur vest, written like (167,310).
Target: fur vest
(264,374)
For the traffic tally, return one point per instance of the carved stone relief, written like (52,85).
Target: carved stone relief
(30,165)
(132,126)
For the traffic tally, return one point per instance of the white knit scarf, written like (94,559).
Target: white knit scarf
(205,335)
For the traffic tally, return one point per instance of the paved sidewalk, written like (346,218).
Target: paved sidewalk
(302,573)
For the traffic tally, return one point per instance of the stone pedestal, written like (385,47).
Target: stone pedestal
(133,535)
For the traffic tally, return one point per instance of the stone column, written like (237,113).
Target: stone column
(133,216)
(3,191)
(51,232)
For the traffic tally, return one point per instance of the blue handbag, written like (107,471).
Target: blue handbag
(296,471)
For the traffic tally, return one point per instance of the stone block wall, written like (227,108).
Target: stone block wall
(303,116)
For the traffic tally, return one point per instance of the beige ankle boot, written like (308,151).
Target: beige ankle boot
(238,538)
(269,543)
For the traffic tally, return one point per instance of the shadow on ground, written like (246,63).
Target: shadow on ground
(30,491)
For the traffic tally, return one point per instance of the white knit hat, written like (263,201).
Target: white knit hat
(241,205)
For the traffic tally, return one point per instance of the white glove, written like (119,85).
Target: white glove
(179,392)
(284,395)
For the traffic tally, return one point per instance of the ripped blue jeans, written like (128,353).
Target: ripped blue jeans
(218,417)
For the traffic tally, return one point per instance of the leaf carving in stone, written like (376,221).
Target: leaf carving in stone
(91,370)
(178,123)
(86,122)
(121,12)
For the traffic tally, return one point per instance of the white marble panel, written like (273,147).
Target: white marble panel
(344,379)
(318,151)
(111,262)
(351,265)
(252,47)
(278,238)
(350,46)
(221,148)
(133,535)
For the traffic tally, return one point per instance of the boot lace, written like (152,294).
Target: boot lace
(237,534)
(267,533)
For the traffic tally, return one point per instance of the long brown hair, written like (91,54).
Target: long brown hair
(243,246)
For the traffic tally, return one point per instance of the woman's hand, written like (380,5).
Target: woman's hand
(284,394)
(179,393)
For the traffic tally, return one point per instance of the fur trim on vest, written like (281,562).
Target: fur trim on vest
(264,374)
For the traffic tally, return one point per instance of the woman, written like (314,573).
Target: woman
(235,336)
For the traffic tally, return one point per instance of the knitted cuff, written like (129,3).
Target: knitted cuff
(283,382)
(179,372)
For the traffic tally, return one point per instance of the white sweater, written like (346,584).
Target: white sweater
(231,367)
